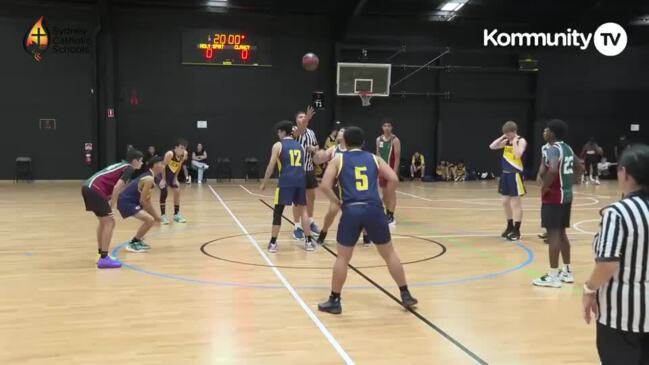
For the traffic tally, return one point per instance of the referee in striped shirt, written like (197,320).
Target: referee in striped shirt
(307,139)
(617,293)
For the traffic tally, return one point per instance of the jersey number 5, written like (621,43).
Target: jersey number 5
(296,157)
(568,163)
(362,183)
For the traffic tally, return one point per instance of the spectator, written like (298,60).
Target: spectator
(199,158)
(591,153)
(441,171)
(460,171)
(616,292)
(417,166)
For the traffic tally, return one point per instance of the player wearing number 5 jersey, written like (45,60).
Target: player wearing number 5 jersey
(357,172)
(289,157)
(560,167)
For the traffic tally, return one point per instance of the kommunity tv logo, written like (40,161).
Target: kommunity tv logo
(610,39)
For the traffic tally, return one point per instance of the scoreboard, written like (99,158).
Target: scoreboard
(224,48)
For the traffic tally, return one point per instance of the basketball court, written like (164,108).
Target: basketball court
(208,292)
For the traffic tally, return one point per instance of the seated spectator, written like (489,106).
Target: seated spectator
(417,166)
(199,157)
(441,171)
(460,172)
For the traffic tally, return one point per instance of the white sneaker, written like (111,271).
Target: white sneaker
(272,247)
(597,182)
(189,180)
(547,281)
(309,246)
(566,277)
(199,182)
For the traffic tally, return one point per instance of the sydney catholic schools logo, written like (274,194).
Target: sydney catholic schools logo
(37,40)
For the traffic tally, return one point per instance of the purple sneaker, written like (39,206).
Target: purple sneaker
(108,263)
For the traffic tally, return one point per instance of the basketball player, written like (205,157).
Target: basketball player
(357,172)
(388,147)
(100,193)
(556,196)
(288,154)
(309,143)
(173,160)
(511,182)
(539,179)
(135,201)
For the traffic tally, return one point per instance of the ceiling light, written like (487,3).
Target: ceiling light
(451,6)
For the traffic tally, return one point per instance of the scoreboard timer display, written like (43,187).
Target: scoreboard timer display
(221,48)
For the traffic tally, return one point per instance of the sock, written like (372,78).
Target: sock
(99,251)
(176,209)
(103,254)
(135,240)
(298,225)
(566,268)
(335,296)
(517,226)
(403,289)
(366,238)
(389,213)
(510,224)
(308,238)
(273,240)
(311,220)
(163,208)
(553,273)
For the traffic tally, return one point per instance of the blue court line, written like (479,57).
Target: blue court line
(527,250)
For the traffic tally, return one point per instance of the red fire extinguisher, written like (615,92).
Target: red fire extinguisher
(88,153)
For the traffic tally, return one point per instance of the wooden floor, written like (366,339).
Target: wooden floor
(179,305)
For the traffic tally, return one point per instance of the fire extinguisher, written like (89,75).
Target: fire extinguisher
(88,154)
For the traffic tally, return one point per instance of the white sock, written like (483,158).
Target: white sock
(298,225)
(566,268)
(310,220)
(554,273)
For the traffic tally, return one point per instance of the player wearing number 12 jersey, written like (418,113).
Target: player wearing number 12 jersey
(560,167)
(289,157)
(357,172)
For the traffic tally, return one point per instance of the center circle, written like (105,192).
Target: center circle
(208,243)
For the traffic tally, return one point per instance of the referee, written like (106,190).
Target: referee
(617,293)
(307,139)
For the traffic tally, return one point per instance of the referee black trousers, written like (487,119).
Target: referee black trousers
(617,347)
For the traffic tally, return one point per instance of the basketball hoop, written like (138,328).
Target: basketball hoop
(365,97)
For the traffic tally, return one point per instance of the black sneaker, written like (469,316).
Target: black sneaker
(407,300)
(514,236)
(543,236)
(506,233)
(321,237)
(332,306)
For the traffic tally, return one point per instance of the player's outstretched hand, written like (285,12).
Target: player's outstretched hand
(162,184)
(310,112)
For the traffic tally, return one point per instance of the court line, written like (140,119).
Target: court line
(577,226)
(443,333)
(255,194)
(332,340)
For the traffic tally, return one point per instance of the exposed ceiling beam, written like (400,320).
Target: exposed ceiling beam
(359,7)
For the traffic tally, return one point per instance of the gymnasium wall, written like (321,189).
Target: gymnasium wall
(599,96)
(57,87)
(240,104)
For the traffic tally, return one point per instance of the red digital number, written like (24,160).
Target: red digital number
(209,53)
(244,54)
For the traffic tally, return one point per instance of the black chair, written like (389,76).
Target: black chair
(251,168)
(223,169)
(24,169)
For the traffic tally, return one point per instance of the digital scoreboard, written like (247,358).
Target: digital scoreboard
(223,48)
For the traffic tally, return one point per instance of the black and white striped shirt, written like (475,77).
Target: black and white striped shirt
(624,237)
(308,139)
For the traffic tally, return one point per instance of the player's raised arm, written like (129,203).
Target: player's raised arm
(274,155)
(499,143)
(324,156)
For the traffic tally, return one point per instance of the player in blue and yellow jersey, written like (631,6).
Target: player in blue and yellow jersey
(511,181)
(289,156)
(173,160)
(358,172)
(135,201)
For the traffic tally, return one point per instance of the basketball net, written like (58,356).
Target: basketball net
(366,96)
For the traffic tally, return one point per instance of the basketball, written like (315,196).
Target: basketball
(310,61)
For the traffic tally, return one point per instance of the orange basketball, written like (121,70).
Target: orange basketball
(310,61)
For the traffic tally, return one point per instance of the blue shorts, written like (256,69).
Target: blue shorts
(290,195)
(357,217)
(127,208)
(511,184)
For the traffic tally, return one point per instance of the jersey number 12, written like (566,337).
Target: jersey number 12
(296,157)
